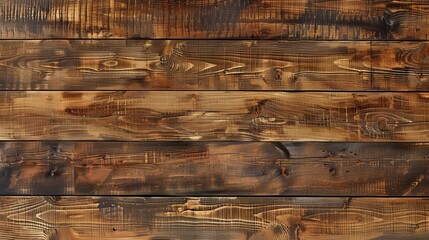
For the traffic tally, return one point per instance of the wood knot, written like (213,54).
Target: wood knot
(285,171)
(163,60)
(257,109)
(278,74)
(331,168)
(383,124)
(374,124)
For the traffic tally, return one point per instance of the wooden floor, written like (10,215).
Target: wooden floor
(214,119)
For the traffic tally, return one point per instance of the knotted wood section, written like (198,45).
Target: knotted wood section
(214,116)
(214,168)
(200,217)
(291,19)
(213,65)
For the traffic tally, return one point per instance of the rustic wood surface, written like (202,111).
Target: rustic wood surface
(214,119)
(197,116)
(214,169)
(294,19)
(213,65)
(400,62)
(126,218)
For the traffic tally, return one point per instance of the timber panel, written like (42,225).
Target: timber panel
(198,116)
(213,65)
(293,19)
(214,168)
(188,65)
(48,218)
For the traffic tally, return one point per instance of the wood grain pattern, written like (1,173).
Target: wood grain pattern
(213,65)
(396,62)
(185,65)
(81,218)
(214,168)
(299,19)
(184,116)
(286,131)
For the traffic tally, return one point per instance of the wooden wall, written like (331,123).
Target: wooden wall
(214,119)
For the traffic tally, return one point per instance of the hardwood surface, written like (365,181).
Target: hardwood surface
(292,19)
(214,119)
(214,168)
(213,65)
(198,116)
(398,63)
(125,218)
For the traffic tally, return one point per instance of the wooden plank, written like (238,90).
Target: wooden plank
(298,19)
(80,218)
(214,168)
(244,116)
(213,65)
(187,65)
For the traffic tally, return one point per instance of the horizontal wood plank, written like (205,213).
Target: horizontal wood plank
(216,116)
(297,19)
(186,65)
(82,218)
(214,168)
(212,65)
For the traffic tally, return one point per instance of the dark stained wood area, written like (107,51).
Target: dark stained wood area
(198,116)
(214,168)
(292,19)
(213,65)
(274,218)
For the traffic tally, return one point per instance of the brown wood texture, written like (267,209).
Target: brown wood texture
(399,62)
(213,65)
(298,19)
(81,218)
(214,169)
(197,116)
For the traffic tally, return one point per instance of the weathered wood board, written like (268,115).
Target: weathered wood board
(129,218)
(214,168)
(213,65)
(216,116)
(293,19)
